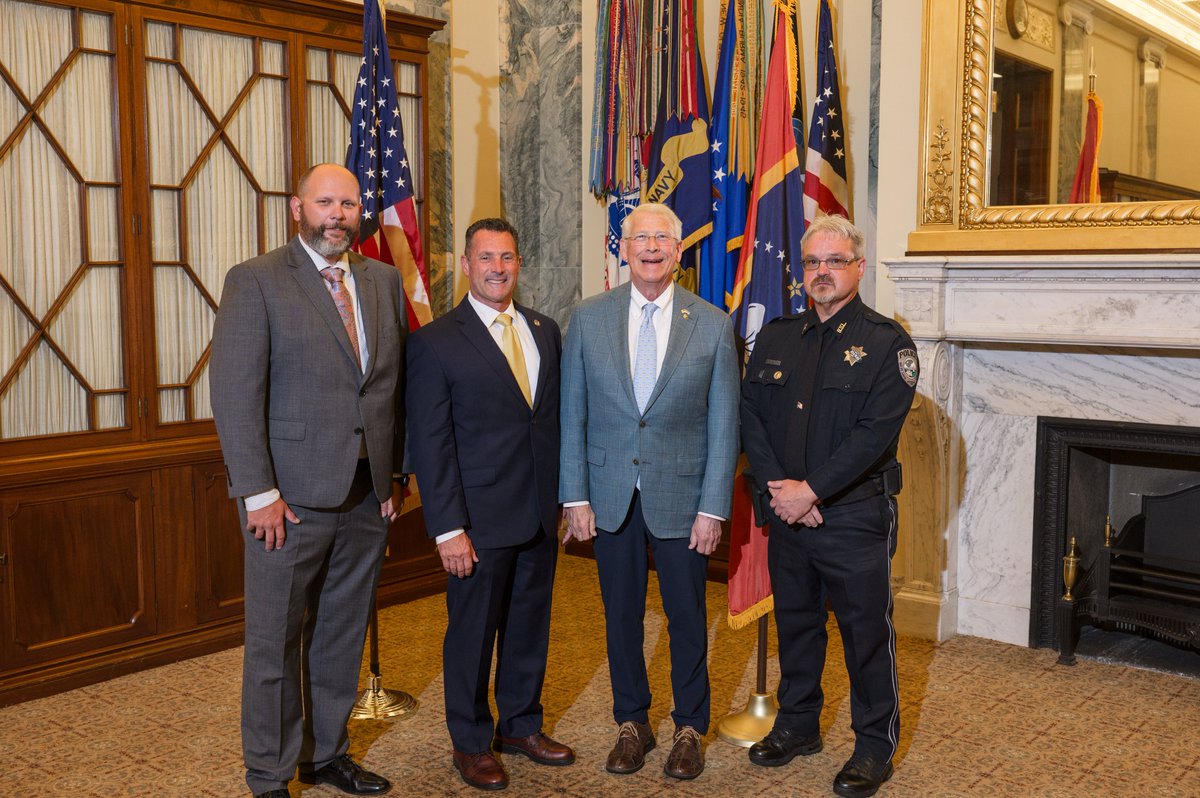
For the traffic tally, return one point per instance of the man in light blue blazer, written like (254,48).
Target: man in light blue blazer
(649,446)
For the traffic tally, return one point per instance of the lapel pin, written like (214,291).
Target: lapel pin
(537,323)
(685,313)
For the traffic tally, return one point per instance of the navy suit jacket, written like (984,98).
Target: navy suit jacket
(485,461)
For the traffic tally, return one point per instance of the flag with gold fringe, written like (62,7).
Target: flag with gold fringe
(1086,187)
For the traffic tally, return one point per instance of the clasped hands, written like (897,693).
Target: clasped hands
(795,502)
(581,526)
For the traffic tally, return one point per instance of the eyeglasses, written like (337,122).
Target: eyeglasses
(642,239)
(836,264)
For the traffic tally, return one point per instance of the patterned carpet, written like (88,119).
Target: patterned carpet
(979,718)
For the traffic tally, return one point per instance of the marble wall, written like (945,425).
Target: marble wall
(541,146)
(1101,338)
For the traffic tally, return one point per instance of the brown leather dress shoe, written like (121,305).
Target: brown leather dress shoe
(538,747)
(482,770)
(634,741)
(686,761)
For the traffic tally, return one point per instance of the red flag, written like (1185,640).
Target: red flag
(1086,187)
(376,155)
(750,595)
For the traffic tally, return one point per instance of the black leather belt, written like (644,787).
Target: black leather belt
(887,482)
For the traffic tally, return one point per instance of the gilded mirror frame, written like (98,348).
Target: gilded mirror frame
(952,217)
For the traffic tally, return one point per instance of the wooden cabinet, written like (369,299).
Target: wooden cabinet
(121,559)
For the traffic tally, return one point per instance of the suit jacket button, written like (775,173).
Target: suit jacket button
(358,430)
(635,461)
(363,392)
(641,423)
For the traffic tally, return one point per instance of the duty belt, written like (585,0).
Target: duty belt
(886,482)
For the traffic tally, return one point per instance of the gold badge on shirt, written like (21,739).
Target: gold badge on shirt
(855,354)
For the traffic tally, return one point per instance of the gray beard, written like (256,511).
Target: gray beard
(315,238)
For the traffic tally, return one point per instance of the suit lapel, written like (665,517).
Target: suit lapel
(313,285)
(368,301)
(542,339)
(682,325)
(473,330)
(618,334)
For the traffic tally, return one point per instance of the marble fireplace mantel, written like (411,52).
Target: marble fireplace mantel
(1003,340)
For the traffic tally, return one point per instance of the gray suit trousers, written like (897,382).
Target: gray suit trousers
(307,603)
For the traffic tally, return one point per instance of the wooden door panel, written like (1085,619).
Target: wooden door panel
(219,554)
(80,567)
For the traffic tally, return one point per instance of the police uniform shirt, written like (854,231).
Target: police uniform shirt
(825,401)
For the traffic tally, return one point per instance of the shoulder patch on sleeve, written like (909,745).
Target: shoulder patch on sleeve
(910,368)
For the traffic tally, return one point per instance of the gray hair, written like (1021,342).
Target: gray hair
(658,209)
(839,226)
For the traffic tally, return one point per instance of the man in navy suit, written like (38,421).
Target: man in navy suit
(649,445)
(485,445)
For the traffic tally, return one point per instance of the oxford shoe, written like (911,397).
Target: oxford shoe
(634,741)
(686,760)
(537,747)
(348,776)
(782,746)
(482,770)
(861,776)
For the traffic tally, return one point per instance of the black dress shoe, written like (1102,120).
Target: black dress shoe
(348,776)
(782,746)
(273,794)
(861,776)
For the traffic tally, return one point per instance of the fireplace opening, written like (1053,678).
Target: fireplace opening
(1127,496)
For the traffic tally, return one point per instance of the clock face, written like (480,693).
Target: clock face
(1016,14)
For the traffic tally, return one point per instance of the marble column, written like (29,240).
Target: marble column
(1077,24)
(541,146)
(1152,55)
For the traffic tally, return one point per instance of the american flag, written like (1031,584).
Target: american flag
(825,189)
(376,155)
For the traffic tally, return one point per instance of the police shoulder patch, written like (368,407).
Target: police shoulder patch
(910,368)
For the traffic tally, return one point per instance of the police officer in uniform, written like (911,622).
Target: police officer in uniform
(823,400)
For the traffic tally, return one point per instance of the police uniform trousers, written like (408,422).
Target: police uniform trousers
(623,567)
(846,560)
(308,603)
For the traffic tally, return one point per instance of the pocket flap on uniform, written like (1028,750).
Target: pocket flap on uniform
(286,429)
(771,375)
(853,380)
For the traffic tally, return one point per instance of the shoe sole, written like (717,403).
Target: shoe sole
(683,776)
(848,793)
(513,749)
(307,779)
(476,785)
(641,764)
(804,751)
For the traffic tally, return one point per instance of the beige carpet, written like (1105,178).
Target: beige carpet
(979,718)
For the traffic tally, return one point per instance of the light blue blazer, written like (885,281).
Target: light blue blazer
(684,447)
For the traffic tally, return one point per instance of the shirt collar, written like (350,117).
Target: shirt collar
(838,321)
(663,300)
(320,262)
(487,314)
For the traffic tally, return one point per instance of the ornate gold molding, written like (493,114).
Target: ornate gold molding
(938,204)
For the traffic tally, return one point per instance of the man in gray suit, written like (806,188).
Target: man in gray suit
(307,394)
(649,445)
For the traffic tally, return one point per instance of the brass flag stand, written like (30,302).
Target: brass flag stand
(377,701)
(753,723)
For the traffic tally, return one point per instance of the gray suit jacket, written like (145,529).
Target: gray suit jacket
(290,402)
(684,447)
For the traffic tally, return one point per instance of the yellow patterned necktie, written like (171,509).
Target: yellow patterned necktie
(510,345)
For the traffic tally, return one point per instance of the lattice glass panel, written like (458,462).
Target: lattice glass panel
(318,63)
(407,78)
(221,220)
(32,176)
(345,74)
(172,404)
(276,214)
(160,40)
(272,59)
(328,128)
(97,31)
(88,329)
(34,42)
(263,146)
(165,209)
(177,125)
(43,382)
(11,111)
(15,331)
(183,322)
(104,237)
(110,411)
(79,113)
(220,64)
(201,398)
